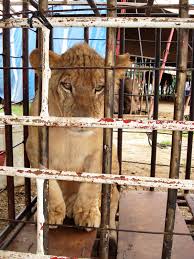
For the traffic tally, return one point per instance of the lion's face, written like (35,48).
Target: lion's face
(78,92)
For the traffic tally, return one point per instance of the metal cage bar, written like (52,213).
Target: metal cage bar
(46,73)
(108,133)
(191,117)
(111,22)
(44,44)
(90,177)
(7,110)
(121,102)
(183,35)
(84,122)
(26,102)
(156,100)
(45,120)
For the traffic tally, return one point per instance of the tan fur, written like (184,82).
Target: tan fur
(75,149)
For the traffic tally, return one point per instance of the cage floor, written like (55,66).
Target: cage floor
(139,210)
(62,241)
(145,210)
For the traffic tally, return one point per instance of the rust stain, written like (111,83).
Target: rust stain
(79,173)
(106,120)
(41,226)
(56,257)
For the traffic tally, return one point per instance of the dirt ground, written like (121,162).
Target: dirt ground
(136,157)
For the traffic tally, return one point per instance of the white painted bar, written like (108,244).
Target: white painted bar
(89,177)
(40,215)
(112,22)
(18,255)
(83,122)
(46,72)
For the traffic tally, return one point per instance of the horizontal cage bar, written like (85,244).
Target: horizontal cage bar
(126,180)
(117,22)
(19,255)
(83,122)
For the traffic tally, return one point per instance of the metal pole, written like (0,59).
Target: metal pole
(191,118)
(183,36)
(166,52)
(108,133)
(7,110)
(25,102)
(156,100)
(133,82)
(121,103)
(43,133)
(86,34)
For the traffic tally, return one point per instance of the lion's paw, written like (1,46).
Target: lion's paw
(86,215)
(57,214)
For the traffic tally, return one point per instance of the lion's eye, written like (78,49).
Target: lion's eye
(67,86)
(99,88)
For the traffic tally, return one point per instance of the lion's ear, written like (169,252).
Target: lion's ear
(122,61)
(35,59)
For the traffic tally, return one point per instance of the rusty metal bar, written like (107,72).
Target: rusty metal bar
(156,101)
(18,255)
(25,63)
(121,102)
(169,41)
(42,186)
(107,133)
(94,7)
(83,122)
(33,3)
(149,7)
(7,111)
(191,117)
(111,22)
(183,37)
(120,3)
(86,35)
(90,177)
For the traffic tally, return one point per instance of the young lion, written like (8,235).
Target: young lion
(75,93)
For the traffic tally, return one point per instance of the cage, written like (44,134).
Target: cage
(149,221)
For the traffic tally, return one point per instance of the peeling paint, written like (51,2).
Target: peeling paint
(83,122)
(111,22)
(90,177)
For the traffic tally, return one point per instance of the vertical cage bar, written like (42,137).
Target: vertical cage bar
(146,89)
(133,83)
(44,43)
(42,186)
(156,100)
(7,110)
(191,117)
(25,63)
(86,34)
(108,133)
(121,102)
(40,216)
(51,40)
(183,36)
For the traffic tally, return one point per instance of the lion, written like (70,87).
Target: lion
(75,93)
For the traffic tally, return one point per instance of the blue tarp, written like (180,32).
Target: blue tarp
(70,36)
